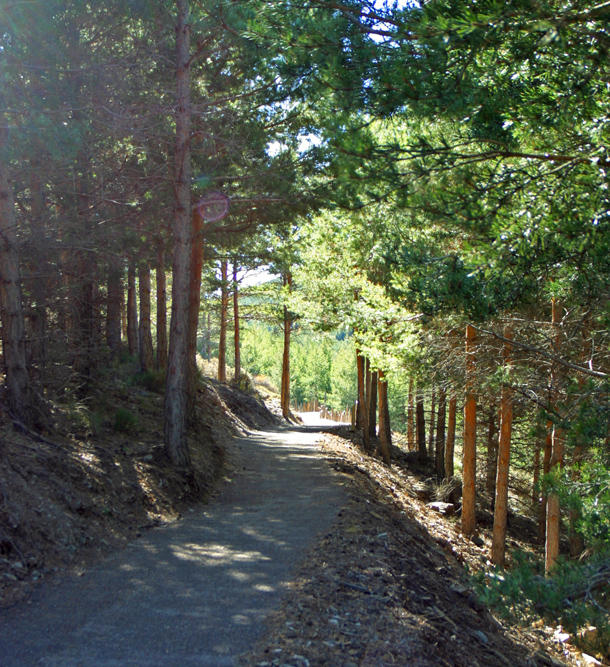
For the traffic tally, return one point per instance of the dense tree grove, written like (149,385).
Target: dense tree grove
(429,182)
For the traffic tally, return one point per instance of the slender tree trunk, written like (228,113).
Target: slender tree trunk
(546,468)
(553,510)
(470,439)
(39,266)
(161,309)
(208,338)
(492,453)
(362,402)
(536,479)
(432,422)
(576,542)
(385,430)
(450,444)
(421,425)
(124,328)
(175,393)
(237,375)
(498,546)
(194,304)
(113,308)
(410,434)
(224,308)
(132,310)
(285,392)
(373,405)
(85,359)
(147,357)
(13,321)
(360,391)
(367,386)
(440,435)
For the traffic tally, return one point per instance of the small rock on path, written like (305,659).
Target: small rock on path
(194,592)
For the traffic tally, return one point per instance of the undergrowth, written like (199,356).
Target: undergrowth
(576,596)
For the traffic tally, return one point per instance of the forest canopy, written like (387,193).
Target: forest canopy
(428,182)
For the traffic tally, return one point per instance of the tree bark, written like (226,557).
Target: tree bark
(470,439)
(450,444)
(113,307)
(175,393)
(145,339)
(224,307)
(553,510)
(410,433)
(236,323)
(440,435)
(492,453)
(194,304)
(161,309)
(536,479)
(362,401)
(39,266)
(432,422)
(285,391)
(498,546)
(132,310)
(385,430)
(421,426)
(546,468)
(373,405)
(13,321)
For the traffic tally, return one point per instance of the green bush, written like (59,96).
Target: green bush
(125,421)
(152,380)
(575,596)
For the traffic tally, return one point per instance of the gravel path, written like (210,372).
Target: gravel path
(194,592)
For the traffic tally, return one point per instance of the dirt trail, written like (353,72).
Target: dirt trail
(195,591)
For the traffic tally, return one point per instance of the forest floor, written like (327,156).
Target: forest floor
(101,479)
(385,585)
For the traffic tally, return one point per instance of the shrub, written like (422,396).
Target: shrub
(125,421)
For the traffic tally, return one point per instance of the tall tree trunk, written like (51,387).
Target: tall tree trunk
(362,401)
(432,422)
(147,358)
(132,310)
(410,433)
(367,386)
(113,307)
(124,327)
(161,308)
(208,338)
(450,444)
(285,392)
(421,425)
(175,393)
(492,453)
(440,435)
(546,468)
(553,516)
(470,439)
(373,405)
(39,266)
(385,429)
(194,304)
(236,323)
(536,479)
(85,359)
(13,321)
(224,307)
(506,427)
